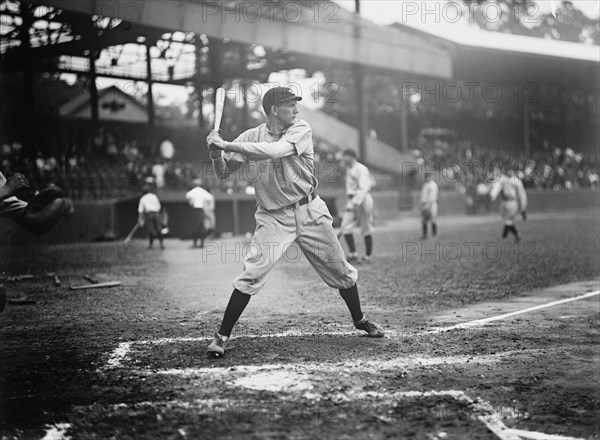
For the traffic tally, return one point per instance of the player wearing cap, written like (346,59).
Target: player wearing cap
(279,155)
(359,207)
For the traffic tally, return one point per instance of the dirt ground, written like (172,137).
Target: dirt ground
(129,362)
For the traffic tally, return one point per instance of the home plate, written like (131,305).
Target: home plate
(274,381)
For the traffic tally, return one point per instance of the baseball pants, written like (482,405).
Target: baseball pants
(310,227)
(361,216)
(509,210)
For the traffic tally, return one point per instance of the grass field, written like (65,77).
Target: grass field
(129,362)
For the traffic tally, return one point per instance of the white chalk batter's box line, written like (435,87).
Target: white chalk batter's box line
(480,410)
(124,349)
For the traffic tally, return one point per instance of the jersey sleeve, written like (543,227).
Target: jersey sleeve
(300,136)
(522,195)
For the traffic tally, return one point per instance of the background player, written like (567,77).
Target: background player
(513,199)
(359,208)
(429,205)
(203,205)
(149,211)
(289,209)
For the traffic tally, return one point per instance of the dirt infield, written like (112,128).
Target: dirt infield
(129,361)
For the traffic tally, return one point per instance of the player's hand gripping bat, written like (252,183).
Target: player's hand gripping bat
(219,105)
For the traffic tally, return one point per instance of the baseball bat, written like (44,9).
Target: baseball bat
(96,286)
(219,104)
(133,231)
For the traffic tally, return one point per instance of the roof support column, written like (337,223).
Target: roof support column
(149,81)
(359,79)
(93,89)
(526,128)
(404,119)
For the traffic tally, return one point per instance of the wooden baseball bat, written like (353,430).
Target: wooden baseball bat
(96,286)
(219,105)
(133,231)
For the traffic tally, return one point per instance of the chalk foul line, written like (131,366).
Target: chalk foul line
(482,322)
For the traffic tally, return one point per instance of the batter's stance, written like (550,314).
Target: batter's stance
(279,157)
(513,199)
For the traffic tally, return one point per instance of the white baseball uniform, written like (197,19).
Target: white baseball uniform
(429,199)
(289,209)
(359,209)
(199,198)
(513,197)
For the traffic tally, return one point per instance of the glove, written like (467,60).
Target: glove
(524,215)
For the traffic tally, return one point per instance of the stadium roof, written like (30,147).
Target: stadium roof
(316,29)
(493,56)
(524,44)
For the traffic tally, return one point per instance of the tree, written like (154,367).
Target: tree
(520,17)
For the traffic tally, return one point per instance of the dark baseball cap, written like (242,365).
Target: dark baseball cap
(279,95)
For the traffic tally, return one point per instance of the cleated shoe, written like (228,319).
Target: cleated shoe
(216,349)
(373,329)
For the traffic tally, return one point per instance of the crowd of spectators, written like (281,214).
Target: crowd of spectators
(112,165)
(465,164)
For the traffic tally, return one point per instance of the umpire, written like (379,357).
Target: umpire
(280,157)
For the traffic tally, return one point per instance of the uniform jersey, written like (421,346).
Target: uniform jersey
(429,193)
(200,198)
(358,182)
(281,218)
(149,203)
(280,182)
(510,189)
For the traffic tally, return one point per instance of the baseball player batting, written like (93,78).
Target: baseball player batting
(289,210)
(513,199)
(359,207)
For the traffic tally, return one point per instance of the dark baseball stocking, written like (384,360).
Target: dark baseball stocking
(369,245)
(350,242)
(350,295)
(237,303)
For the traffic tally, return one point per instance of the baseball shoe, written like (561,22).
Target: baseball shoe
(366,259)
(216,349)
(352,259)
(373,329)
